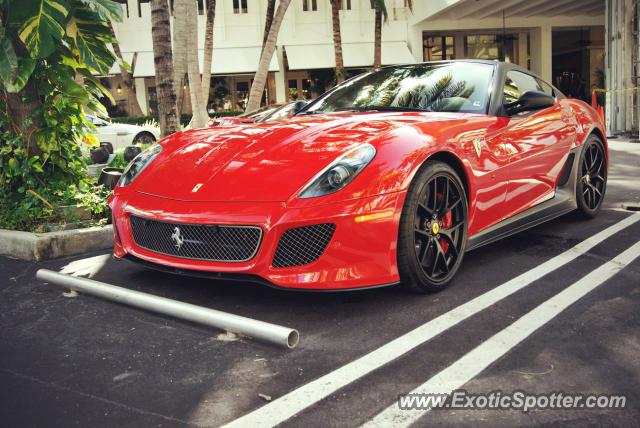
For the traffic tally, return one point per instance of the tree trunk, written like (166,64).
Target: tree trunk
(199,114)
(20,108)
(271,7)
(337,40)
(125,76)
(260,79)
(162,58)
(208,53)
(180,35)
(377,40)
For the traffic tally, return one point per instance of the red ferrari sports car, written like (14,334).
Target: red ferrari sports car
(388,178)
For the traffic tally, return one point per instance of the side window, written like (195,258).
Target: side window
(517,84)
(546,88)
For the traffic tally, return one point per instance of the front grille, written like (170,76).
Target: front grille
(197,241)
(303,245)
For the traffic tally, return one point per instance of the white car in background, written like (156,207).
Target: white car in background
(121,135)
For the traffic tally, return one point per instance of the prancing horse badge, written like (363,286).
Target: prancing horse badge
(477,144)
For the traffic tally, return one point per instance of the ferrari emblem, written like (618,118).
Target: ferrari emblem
(177,238)
(477,144)
(196,188)
(435,228)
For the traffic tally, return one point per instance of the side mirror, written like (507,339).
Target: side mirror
(530,101)
(298,106)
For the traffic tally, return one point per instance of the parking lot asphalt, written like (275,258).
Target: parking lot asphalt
(81,361)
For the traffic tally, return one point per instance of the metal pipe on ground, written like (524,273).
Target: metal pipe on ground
(264,331)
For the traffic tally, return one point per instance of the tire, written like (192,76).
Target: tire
(144,137)
(428,255)
(591,184)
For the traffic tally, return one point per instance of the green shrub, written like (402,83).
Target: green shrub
(52,51)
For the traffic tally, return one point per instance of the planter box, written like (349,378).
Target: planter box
(44,246)
(95,169)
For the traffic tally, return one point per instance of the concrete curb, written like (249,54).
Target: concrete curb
(43,246)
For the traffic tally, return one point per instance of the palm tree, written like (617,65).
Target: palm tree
(208,51)
(180,35)
(380,9)
(162,58)
(381,13)
(271,8)
(260,79)
(198,109)
(337,40)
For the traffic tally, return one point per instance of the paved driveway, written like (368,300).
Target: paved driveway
(551,309)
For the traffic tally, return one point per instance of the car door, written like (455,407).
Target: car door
(107,133)
(537,142)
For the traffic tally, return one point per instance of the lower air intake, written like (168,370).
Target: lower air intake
(303,245)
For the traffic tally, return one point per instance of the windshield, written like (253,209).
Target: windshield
(279,113)
(261,111)
(442,87)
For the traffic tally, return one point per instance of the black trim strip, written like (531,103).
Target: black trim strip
(240,277)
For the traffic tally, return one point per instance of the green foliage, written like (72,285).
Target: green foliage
(50,53)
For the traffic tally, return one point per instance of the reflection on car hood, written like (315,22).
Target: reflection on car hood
(261,162)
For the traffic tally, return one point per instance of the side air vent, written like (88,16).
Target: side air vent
(303,245)
(566,170)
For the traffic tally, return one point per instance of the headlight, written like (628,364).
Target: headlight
(138,164)
(339,173)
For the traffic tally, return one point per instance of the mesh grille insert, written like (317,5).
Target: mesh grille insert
(303,245)
(197,241)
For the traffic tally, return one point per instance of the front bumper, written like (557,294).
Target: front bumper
(361,253)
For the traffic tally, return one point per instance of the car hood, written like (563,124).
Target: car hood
(267,162)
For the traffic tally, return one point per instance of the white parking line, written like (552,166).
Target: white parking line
(299,399)
(470,365)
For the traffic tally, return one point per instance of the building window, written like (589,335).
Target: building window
(200,7)
(306,89)
(502,47)
(126,5)
(346,5)
(293,89)
(240,6)
(242,94)
(439,48)
(140,6)
(309,5)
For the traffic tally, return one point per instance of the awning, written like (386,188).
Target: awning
(144,65)
(225,61)
(305,57)
(127,57)
(237,60)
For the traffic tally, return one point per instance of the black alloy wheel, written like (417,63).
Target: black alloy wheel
(592,179)
(435,215)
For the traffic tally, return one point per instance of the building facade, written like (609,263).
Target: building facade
(562,40)
(623,67)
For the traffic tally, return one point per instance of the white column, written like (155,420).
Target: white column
(415,42)
(522,49)
(141,94)
(542,52)
(458,41)
(280,77)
